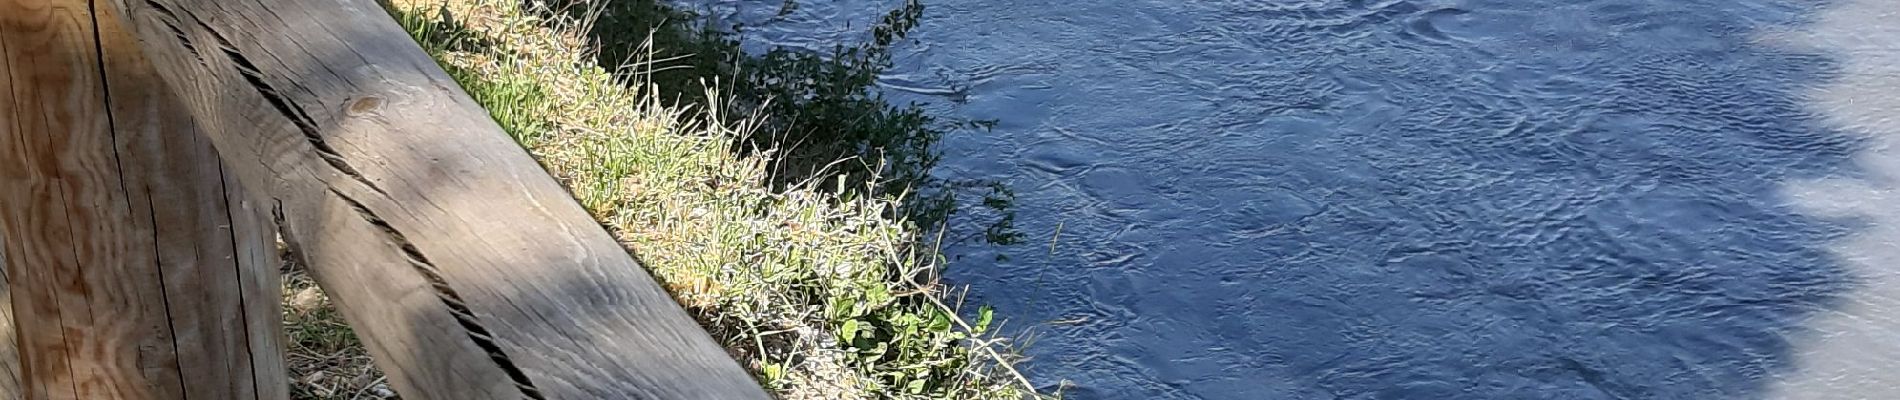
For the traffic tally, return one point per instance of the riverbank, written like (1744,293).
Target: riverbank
(822,294)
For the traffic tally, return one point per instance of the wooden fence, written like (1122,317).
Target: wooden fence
(153,152)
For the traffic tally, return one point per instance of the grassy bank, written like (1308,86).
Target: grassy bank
(820,287)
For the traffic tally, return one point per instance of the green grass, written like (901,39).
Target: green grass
(819,110)
(814,286)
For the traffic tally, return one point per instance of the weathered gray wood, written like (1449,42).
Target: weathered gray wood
(226,326)
(256,258)
(124,271)
(467,270)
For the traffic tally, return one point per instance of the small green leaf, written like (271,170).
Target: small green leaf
(849,331)
(774,372)
(877,295)
(939,322)
(839,310)
(983,317)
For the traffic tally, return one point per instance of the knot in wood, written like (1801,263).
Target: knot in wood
(363,106)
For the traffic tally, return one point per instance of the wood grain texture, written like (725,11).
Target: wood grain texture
(127,281)
(9,341)
(10,369)
(467,270)
(90,324)
(254,236)
(213,252)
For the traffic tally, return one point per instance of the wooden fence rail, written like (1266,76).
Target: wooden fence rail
(468,272)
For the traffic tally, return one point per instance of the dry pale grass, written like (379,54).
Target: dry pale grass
(325,360)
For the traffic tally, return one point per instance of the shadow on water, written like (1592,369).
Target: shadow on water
(815,106)
(821,117)
(1398,199)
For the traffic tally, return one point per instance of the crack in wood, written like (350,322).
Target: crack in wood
(305,125)
(162,9)
(185,41)
(171,22)
(273,70)
(293,250)
(457,307)
(118,163)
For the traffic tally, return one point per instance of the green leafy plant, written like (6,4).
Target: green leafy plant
(822,289)
(821,115)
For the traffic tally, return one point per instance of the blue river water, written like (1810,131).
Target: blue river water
(1420,199)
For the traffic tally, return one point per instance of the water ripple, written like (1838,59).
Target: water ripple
(1395,199)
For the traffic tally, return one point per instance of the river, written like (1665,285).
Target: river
(1423,199)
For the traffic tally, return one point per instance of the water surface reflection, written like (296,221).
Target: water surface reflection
(1606,199)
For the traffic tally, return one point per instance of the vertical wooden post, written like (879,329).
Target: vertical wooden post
(134,269)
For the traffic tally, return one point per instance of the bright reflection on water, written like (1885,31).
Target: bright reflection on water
(1851,350)
(1425,199)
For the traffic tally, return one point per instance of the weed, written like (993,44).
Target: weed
(819,286)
